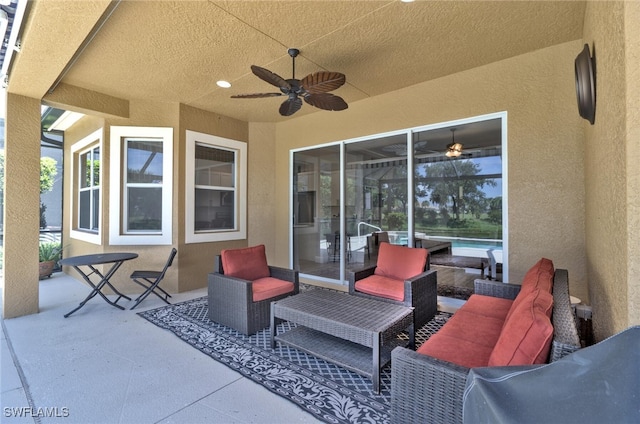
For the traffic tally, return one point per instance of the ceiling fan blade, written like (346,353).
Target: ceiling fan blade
(255,95)
(270,77)
(290,106)
(326,101)
(321,82)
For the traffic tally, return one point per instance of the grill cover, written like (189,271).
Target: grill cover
(597,384)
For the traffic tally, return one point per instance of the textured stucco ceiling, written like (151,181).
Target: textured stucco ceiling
(176,51)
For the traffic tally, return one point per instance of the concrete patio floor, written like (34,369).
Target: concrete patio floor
(105,365)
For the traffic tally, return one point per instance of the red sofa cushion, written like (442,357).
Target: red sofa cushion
(249,263)
(495,307)
(526,336)
(268,287)
(400,262)
(474,327)
(453,349)
(470,334)
(378,285)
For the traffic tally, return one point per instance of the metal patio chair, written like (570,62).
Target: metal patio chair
(150,280)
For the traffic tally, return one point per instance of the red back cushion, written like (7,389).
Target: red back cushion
(249,263)
(526,336)
(539,276)
(400,262)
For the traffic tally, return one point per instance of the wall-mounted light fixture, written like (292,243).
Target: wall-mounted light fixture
(586,84)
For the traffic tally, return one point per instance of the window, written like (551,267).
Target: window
(86,171)
(89,193)
(141,185)
(216,187)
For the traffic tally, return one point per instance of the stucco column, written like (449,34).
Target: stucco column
(21,206)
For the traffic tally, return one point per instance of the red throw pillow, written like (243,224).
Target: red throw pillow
(526,336)
(400,262)
(249,263)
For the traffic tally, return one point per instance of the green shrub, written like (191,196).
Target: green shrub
(50,251)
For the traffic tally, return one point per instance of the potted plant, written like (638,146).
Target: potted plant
(49,254)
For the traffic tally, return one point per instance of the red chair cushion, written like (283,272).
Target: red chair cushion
(268,287)
(249,263)
(378,285)
(526,336)
(400,262)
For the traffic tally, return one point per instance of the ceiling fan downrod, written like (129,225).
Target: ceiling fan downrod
(293,53)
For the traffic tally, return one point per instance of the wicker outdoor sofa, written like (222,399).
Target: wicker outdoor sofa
(427,389)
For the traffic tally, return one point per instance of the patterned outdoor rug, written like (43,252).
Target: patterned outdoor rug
(329,392)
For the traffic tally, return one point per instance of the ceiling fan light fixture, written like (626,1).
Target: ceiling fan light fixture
(454,149)
(223,84)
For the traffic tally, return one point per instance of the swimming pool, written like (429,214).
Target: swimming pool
(459,246)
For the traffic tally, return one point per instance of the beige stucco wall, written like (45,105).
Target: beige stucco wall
(196,259)
(632,78)
(545,147)
(84,127)
(141,113)
(611,178)
(193,261)
(261,201)
(21,212)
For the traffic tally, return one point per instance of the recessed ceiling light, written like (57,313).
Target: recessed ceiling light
(407,1)
(224,84)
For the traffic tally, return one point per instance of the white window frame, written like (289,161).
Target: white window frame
(194,138)
(117,236)
(90,142)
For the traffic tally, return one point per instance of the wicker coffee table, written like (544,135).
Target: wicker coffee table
(350,331)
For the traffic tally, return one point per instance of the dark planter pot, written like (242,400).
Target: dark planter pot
(46,269)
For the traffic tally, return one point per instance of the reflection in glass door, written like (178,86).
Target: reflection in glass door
(316,212)
(376,206)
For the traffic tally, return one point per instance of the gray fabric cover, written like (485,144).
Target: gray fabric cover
(597,384)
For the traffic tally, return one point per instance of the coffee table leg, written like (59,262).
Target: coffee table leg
(272,329)
(412,337)
(375,378)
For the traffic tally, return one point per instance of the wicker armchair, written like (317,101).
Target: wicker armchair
(231,299)
(426,389)
(420,290)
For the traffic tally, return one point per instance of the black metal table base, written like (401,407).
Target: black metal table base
(97,288)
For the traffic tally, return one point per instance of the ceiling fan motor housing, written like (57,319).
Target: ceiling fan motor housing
(293,52)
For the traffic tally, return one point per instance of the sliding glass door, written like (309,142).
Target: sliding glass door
(350,196)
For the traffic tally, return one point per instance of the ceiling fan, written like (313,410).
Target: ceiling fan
(314,88)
